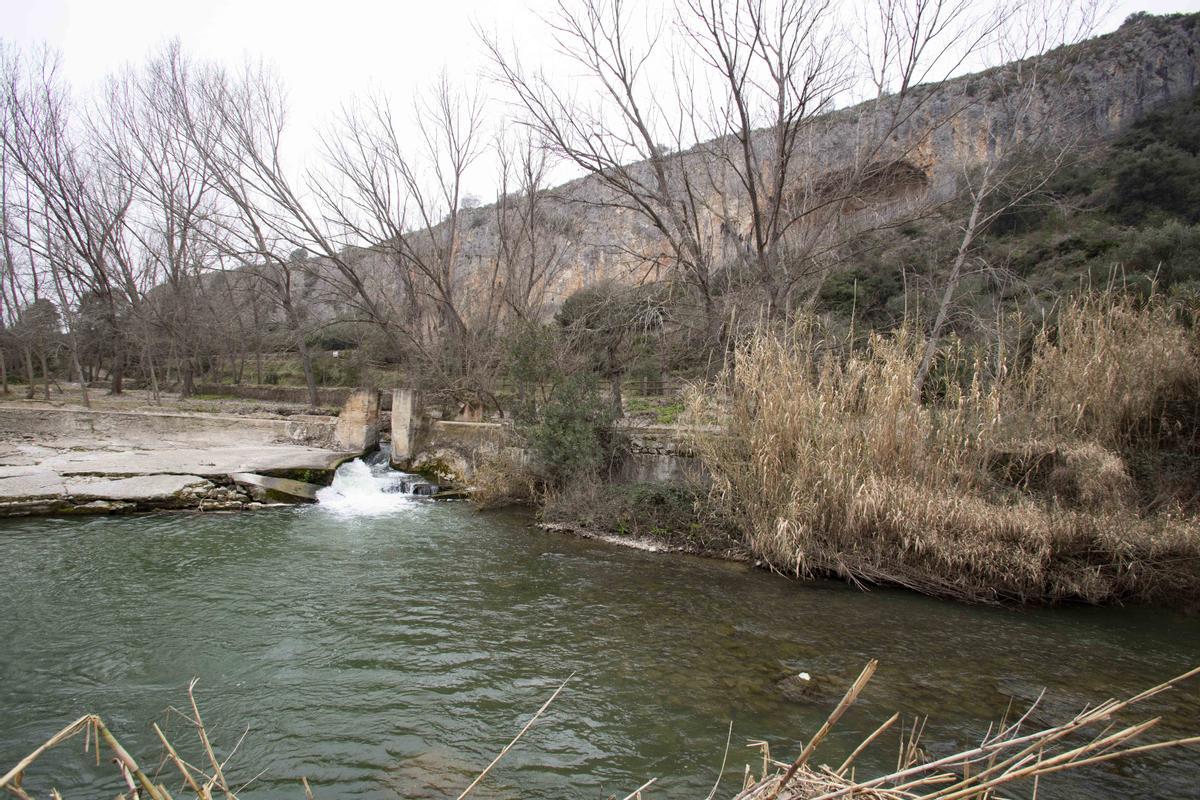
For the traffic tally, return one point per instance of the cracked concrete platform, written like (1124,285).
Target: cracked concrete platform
(129,466)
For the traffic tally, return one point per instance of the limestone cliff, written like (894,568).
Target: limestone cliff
(1091,91)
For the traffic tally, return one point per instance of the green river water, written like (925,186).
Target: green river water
(389,647)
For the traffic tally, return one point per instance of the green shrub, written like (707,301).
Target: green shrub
(571,436)
(1170,253)
(1159,179)
(863,292)
(665,412)
(674,514)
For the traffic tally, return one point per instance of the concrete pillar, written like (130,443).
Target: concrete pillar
(406,420)
(358,424)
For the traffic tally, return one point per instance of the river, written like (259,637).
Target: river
(387,646)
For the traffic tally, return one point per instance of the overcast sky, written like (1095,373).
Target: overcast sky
(324,50)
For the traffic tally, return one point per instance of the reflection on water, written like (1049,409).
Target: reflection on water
(393,654)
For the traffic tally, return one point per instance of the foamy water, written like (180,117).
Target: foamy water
(361,489)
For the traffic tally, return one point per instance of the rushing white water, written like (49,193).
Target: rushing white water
(366,489)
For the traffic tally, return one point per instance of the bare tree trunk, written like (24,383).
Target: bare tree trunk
(310,377)
(187,381)
(154,390)
(3,372)
(29,379)
(618,409)
(118,368)
(939,322)
(45,373)
(83,388)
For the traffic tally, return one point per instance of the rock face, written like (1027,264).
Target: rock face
(444,464)
(358,425)
(1094,90)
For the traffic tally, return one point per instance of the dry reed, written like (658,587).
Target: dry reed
(1007,754)
(832,466)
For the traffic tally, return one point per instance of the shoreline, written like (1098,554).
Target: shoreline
(647,544)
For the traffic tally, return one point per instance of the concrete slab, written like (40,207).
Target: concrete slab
(211,462)
(145,488)
(72,460)
(264,487)
(37,484)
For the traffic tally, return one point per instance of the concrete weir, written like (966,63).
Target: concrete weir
(450,451)
(64,460)
(406,423)
(282,490)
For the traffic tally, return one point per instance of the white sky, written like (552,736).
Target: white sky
(326,50)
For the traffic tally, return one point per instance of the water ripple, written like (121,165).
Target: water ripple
(393,654)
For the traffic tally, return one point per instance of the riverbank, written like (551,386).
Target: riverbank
(1064,470)
(1068,472)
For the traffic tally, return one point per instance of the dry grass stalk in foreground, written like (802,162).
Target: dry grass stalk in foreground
(202,782)
(1004,756)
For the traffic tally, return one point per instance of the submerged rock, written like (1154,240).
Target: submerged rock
(803,687)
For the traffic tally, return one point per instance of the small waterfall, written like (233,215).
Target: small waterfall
(368,486)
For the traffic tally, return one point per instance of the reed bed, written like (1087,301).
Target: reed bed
(1009,753)
(1007,479)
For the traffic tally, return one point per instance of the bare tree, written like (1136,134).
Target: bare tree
(139,134)
(530,253)
(1022,153)
(234,125)
(745,193)
(630,139)
(81,206)
(405,208)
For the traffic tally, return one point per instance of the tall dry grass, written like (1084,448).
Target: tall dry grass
(1008,483)
(1104,371)
(1009,756)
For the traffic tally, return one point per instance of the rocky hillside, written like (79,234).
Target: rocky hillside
(1092,91)
(1096,89)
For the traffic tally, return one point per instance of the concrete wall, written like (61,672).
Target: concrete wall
(357,426)
(155,428)
(406,427)
(453,450)
(334,397)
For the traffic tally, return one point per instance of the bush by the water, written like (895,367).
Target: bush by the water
(571,436)
(675,514)
(1013,482)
